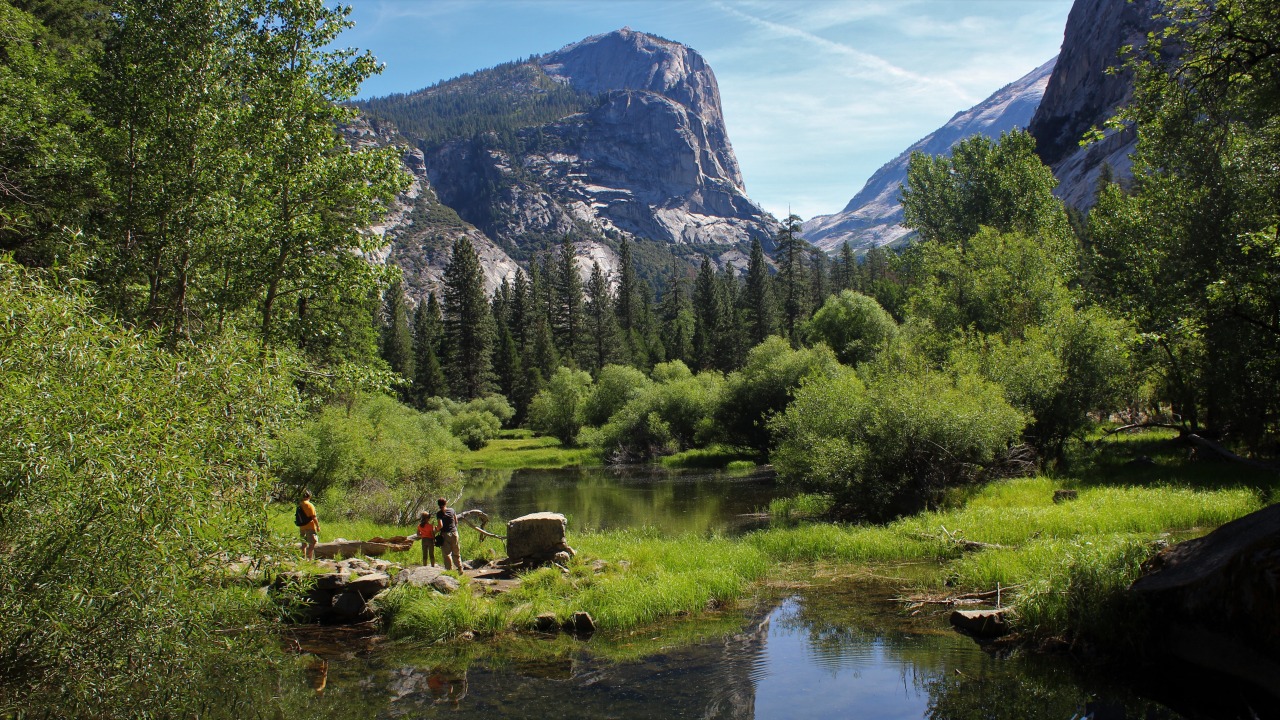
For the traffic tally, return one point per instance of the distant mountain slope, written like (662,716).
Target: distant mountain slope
(618,135)
(1081,95)
(873,217)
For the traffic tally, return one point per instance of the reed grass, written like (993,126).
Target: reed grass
(715,456)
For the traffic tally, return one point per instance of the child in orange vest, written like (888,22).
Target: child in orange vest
(427,534)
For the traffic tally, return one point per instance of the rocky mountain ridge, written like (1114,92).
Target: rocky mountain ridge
(1082,95)
(639,151)
(873,218)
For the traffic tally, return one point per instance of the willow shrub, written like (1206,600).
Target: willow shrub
(127,473)
(376,442)
(888,440)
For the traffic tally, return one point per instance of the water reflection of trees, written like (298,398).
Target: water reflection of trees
(598,498)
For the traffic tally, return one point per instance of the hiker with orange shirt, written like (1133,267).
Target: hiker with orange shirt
(427,534)
(310,530)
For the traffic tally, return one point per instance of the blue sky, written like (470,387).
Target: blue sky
(817,95)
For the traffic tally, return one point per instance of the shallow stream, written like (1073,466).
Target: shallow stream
(837,648)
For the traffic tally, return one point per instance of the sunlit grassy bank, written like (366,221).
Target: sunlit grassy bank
(1064,561)
(520,449)
(645,578)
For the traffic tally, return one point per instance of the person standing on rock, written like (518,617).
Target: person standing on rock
(449,532)
(427,534)
(310,531)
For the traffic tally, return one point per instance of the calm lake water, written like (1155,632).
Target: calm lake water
(832,649)
(600,498)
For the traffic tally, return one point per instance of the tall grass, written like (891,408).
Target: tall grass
(515,451)
(715,456)
(645,577)
(1068,561)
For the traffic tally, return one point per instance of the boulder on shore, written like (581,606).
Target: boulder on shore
(1215,600)
(537,538)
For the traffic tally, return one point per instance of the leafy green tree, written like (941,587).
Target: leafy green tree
(853,325)
(998,184)
(315,197)
(169,102)
(46,171)
(993,283)
(672,414)
(889,439)
(764,386)
(468,326)
(615,386)
(127,475)
(557,409)
(1191,255)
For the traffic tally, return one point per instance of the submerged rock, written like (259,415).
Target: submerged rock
(980,623)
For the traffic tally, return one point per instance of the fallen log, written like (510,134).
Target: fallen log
(1222,452)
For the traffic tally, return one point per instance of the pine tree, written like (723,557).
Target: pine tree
(428,377)
(601,324)
(628,299)
(793,293)
(566,304)
(759,313)
(397,341)
(730,341)
(468,324)
(819,285)
(677,322)
(848,268)
(706,316)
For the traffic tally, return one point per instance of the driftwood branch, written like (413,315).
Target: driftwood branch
(1143,426)
(916,601)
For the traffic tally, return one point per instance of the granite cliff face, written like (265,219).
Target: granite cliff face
(873,217)
(1082,95)
(419,230)
(618,135)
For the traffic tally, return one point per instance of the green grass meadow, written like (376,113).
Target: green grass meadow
(518,449)
(1064,564)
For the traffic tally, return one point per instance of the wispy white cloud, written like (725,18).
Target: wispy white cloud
(867,61)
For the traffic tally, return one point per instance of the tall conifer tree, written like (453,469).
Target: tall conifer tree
(760,313)
(428,376)
(397,339)
(601,324)
(793,291)
(566,304)
(468,324)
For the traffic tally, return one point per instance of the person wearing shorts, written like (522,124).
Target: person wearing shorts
(311,531)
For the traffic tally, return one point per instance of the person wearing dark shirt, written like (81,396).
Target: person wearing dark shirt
(449,531)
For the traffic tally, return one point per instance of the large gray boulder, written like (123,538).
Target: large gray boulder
(1216,599)
(537,537)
